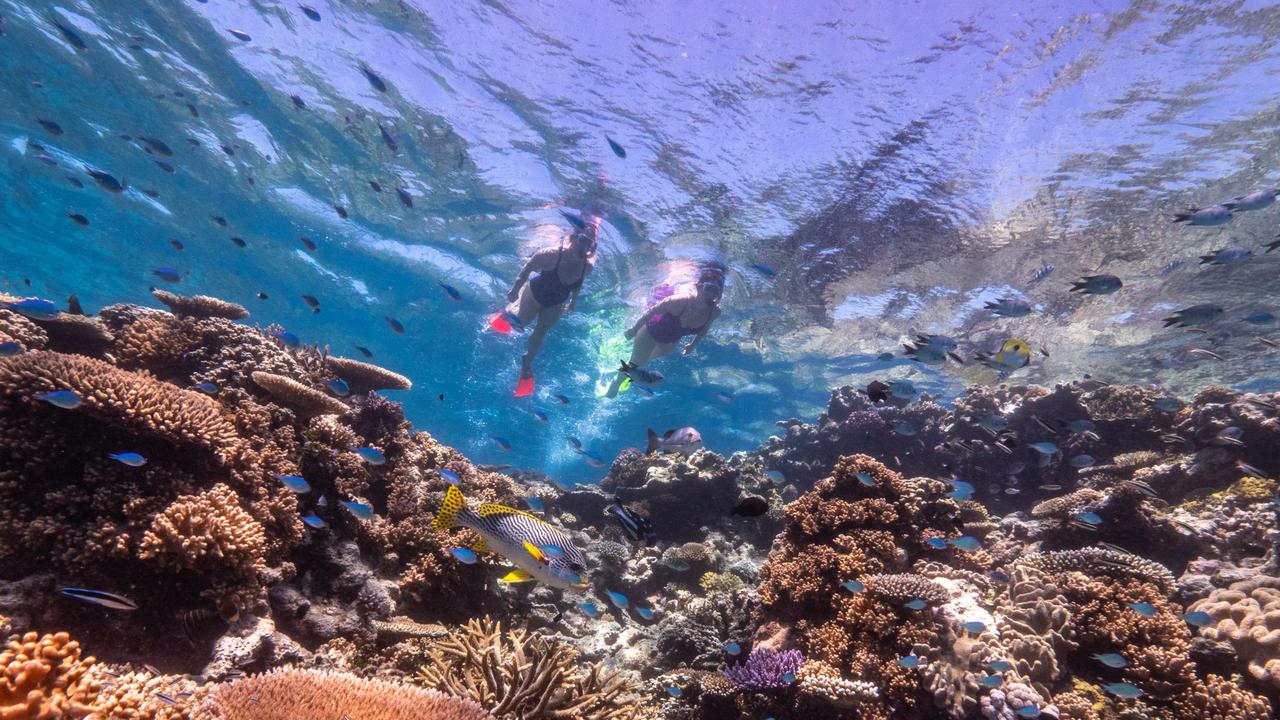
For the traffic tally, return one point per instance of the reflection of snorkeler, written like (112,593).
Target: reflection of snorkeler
(659,330)
(560,272)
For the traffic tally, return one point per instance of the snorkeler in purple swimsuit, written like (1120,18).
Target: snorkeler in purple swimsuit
(672,318)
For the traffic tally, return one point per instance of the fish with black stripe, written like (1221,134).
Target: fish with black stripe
(540,551)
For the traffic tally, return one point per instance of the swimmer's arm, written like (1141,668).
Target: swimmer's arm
(701,333)
(573,299)
(539,261)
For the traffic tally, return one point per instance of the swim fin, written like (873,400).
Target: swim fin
(500,324)
(524,386)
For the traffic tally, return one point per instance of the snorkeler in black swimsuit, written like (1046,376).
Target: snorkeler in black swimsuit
(560,273)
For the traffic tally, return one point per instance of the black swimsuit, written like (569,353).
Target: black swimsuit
(547,287)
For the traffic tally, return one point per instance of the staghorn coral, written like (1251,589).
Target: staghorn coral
(201,306)
(516,675)
(1100,561)
(1247,615)
(287,694)
(298,396)
(129,400)
(42,677)
(765,669)
(363,376)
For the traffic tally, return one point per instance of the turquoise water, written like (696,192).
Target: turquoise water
(896,167)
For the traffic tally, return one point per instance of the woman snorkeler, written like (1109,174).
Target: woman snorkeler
(552,292)
(673,317)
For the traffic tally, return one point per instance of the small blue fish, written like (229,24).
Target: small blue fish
(904,428)
(725,397)
(994,423)
(976,627)
(450,477)
(373,456)
(289,339)
(885,356)
(764,270)
(574,443)
(1045,448)
(917,604)
(131,459)
(618,599)
(853,586)
(1261,317)
(776,477)
(294,483)
(788,677)
(1111,660)
(960,495)
(909,661)
(9,348)
(674,692)
(1128,691)
(364,511)
(865,478)
(167,274)
(968,543)
(1144,609)
(999,666)
(591,610)
(65,399)
(999,577)
(1198,618)
(1089,517)
(1082,460)
(962,486)
(100,598)
(936,543)
(502,443)
(1081,427)
(465,555)
(902,389)
(560,398)
(593,459)
(1028,711)
(35,308)
(535,504)
(991,681)
(207,388)
(540,416)
(451,291)
(645,613)
(339,387)
(314,521)
(732,648)
(676,564)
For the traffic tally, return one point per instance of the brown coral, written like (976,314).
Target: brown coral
(1064,505)
(1217,698)
(298,396)
(1247,615)
(363,376)
(905,587)
(42,678)
(201,306)
(289,694)
(1101,562)
(141,695)
(521,676)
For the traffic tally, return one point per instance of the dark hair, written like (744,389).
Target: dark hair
(591,234)
(713,273)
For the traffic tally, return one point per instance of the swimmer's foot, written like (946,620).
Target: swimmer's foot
(500,323)
(524,386)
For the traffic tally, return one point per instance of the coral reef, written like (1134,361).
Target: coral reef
(297,396)
(363,376)
(765,669)
(200,306)
(42,677)
(1247,615)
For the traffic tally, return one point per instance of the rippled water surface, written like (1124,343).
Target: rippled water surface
(891,166)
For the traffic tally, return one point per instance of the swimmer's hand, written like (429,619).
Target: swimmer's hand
(687,349)
(513,294)
(630,333)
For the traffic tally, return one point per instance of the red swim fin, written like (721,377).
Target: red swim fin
(524,387)
(500,324)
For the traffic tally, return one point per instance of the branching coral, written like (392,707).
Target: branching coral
(201,306)
(903,588)
(43,678)
(287,694)
(765,669)
(1104,562)
(516,675)
(141,695)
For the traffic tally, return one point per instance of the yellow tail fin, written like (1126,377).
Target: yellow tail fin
(453,503)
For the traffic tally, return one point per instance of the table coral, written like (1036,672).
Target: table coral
(298,396)
(201,306)
(363,376)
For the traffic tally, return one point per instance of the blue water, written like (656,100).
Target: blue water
(897,164)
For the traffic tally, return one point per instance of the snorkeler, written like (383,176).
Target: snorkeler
(660,329)
(560,272)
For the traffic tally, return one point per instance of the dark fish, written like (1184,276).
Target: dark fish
(75,182)
(262,296)
(751,506)
(107,181)
(298,102)
(165,166)
(1041,274)
(310,12)
(79,219)
(230,151)
(1273,245)
(374,78)
(240,35)
(1097,285)
(376,187)
(616,148)
(311,302)
(342,212)
(98,597)
(364,351)
(71,36)
(150,193)
(73,306)
(307,243)
(405,198)
(156,146)
(878,391)
(52,127)
(394,324)
(386,138)
(167,274)
(577,222)
(239,242)
(637,527)
(451,291)
(192,109)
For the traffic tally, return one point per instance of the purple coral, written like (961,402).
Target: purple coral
(765,669)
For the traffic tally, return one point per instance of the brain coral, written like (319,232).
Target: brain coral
(1247,615)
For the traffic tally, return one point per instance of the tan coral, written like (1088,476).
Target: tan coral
(1101,562)
(141,695)
(1247,615)
(367,376)
(298,396)
(130,400)
(21,330)
(517,675)
(1217,698)
(290,694)
(43,678)
(201,306)
(818,680)
(1035,624)
(1064,505)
